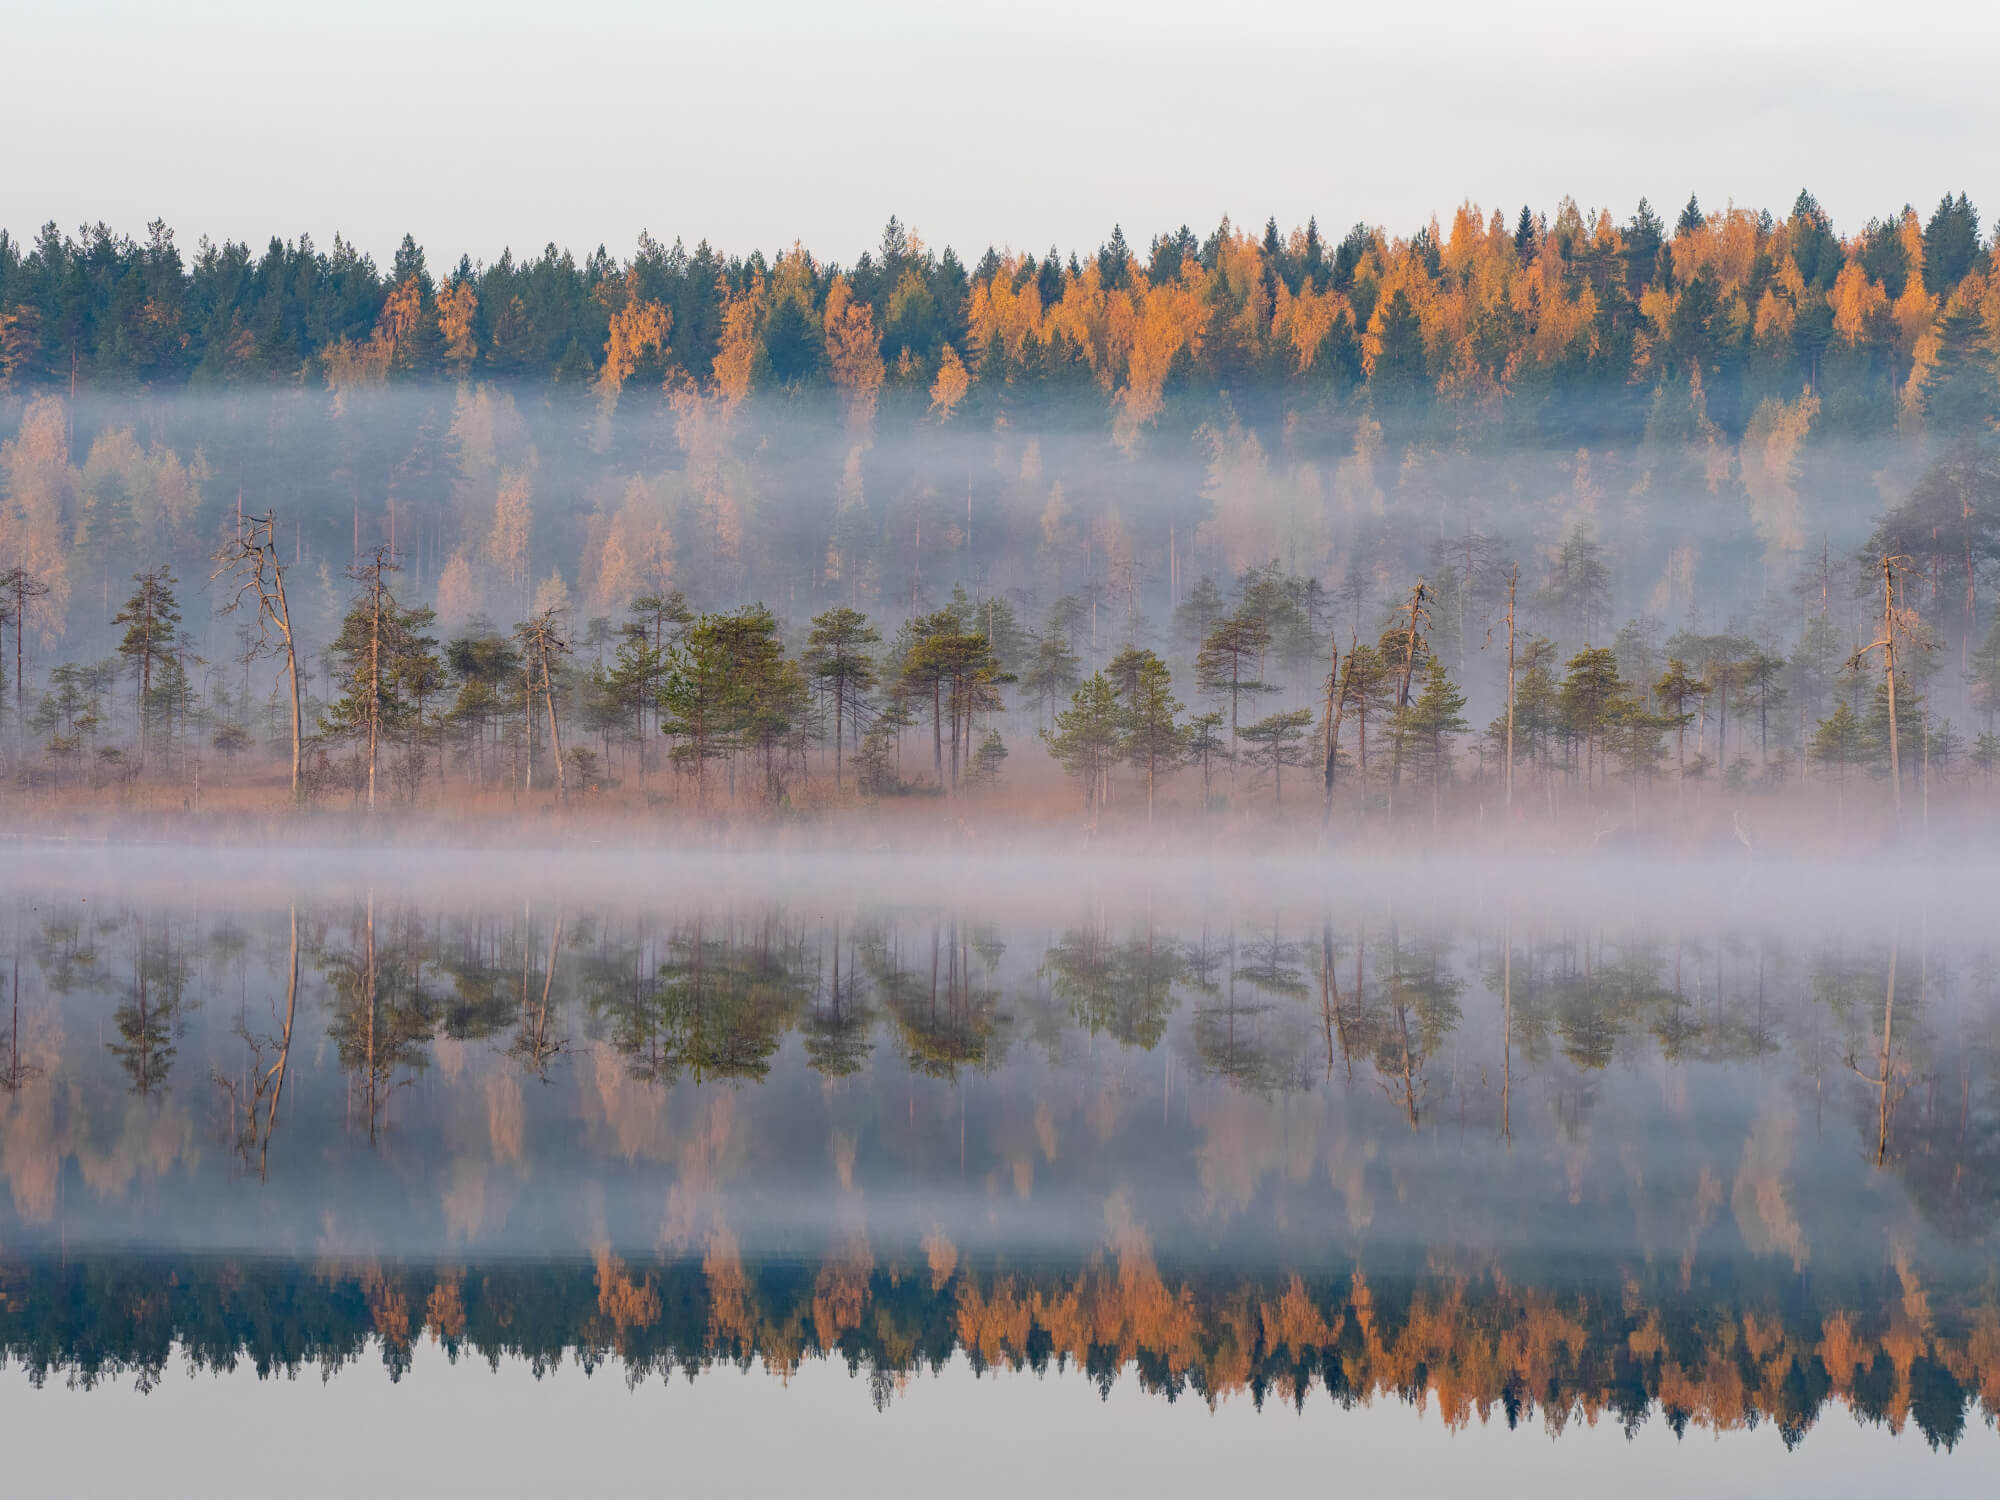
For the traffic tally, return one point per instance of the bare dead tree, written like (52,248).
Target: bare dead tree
(1340,687)
(1419,618)
(544,641)
(1886,644)
(20,588)
(251,557)
(1513,579)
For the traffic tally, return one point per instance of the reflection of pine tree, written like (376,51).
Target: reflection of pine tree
(149,1021)
(384,1016)
(1124,989)
(723,1004)
(945,1019)
(839,1026)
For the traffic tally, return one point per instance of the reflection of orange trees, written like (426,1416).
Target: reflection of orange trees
(1481,1346)
(623,1304)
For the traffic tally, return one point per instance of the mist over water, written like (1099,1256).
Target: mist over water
(1699,1145)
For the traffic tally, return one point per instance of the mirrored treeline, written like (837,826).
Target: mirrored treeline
(1715,1174)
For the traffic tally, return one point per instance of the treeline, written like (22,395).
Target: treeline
(1713,398)
(1691,442)
(667,706)
(1740,302)
(1511,1349)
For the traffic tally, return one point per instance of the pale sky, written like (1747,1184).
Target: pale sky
(482,124)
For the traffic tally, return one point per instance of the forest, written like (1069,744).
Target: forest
(1612,526)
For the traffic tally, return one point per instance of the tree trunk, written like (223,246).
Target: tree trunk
(1512,580)
(1336,700)
(555,737)
(374,697)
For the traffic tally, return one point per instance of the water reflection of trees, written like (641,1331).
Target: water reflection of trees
(1518,1345)
(1420,1021)
(384,1013)
(945,1011)
(150,1020)
(1126,990)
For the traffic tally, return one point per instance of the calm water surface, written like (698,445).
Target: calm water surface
(860,1173)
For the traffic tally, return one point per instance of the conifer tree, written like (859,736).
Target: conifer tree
(1431,723)
(1276,742)
(1229,660)
(1155,741)
(837,661)
(1086,739)
(150,617)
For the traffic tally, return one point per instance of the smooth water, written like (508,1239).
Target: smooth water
(995,1170)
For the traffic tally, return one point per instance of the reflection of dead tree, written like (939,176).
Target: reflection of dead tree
(16,1072)
(1333,1010)
(368,974)
(1507,1010)
(532,1043)
(1410,1064)
(1409,1078)
(1884,1079)
(255,1098)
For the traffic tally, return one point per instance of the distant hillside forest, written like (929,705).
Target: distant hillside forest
(1665,432)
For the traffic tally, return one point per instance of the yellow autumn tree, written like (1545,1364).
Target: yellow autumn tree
(513,515)
(742,340)
(1170,320)
(457,306)
(35,520)
(854,354)
(950,386)
(638,328)
(631,551)
(1856,301)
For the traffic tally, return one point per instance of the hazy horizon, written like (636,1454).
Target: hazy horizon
(483,128)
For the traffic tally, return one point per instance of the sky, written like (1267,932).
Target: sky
(482,126)
(462,1428)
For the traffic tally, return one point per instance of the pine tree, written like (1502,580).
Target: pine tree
(1431,723)
(1676,692)
(1086,739)
(1276,742)
(149,617)
(375,635)
(837,661)
(1155,741)
(1590,689)
(1840,742)
(1053,670)
(1229,660)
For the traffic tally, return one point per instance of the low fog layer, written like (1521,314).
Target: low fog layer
(1815,899)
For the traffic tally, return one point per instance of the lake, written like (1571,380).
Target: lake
(996,1169)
